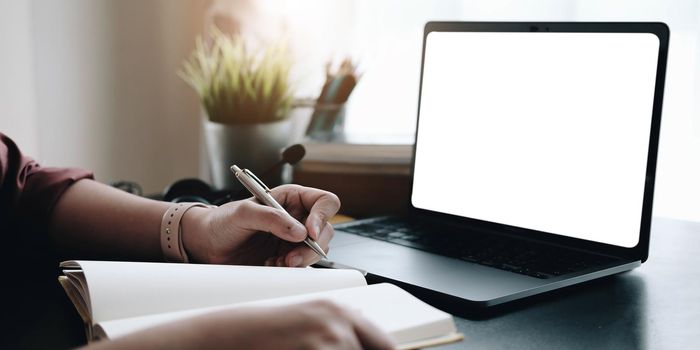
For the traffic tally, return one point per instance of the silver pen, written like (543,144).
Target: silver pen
(262,193)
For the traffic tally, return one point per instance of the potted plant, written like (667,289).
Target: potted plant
(246,98)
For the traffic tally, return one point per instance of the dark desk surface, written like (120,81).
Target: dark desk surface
(656,306)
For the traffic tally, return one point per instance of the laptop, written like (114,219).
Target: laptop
(533,166)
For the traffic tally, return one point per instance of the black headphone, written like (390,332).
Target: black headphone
(188,190)
(196,190)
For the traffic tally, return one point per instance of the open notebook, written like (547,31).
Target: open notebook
(117,298)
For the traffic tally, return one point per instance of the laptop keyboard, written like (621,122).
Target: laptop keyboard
(518,256)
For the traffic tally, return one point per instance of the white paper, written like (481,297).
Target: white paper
(127,289)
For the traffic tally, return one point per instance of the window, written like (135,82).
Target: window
(386,38)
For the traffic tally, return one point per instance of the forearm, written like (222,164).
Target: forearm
(243,328)
(96,221)
(178,335)
(93,220)
(319,324)
(172,336)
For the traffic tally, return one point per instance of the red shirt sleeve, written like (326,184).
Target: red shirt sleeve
(28,191)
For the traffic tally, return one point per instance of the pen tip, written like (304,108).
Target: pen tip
(235,168)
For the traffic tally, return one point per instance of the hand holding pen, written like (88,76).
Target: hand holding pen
(246,232)
(315,218)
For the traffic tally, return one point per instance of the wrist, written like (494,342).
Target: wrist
(171,231)
(195,231)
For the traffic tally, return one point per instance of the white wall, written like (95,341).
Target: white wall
(108,98)
(17,94)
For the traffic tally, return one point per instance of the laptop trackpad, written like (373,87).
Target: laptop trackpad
(450,276)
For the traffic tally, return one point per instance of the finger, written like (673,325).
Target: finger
(321,205)
(304,256)
(369,334)
(324,205)
(253,216)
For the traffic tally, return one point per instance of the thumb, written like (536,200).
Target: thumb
(257,217)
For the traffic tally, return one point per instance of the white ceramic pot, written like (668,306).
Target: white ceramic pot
(257,147)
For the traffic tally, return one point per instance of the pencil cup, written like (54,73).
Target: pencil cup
(327,121)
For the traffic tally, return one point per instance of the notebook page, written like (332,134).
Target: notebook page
(392,309)
(127,289)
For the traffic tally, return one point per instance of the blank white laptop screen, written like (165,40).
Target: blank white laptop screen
(545,131)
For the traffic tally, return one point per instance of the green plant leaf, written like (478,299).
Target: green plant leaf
(236,85)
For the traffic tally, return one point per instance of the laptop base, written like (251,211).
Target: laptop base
(457,286)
